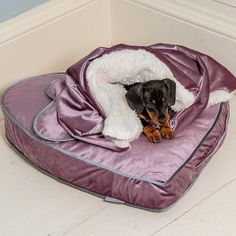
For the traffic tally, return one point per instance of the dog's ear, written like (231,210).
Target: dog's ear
(171,89)
(134,98)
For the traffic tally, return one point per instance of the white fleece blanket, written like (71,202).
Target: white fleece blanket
(106,76)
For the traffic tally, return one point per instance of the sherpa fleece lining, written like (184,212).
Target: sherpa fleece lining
(106,76)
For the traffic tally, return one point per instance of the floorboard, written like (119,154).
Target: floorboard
(32,203)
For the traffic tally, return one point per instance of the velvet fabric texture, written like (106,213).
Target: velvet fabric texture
(75,113)
(152,176)
(146,175)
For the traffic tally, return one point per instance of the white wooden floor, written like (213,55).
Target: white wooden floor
(32,203)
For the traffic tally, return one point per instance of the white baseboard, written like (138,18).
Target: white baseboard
(38,17)
(183,22)
(208,14)
(51,37)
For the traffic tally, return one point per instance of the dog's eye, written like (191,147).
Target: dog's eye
(151,101)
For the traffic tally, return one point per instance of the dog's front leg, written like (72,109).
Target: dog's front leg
(166,131)
(152,134)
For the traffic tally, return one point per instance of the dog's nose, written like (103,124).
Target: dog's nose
(162,119)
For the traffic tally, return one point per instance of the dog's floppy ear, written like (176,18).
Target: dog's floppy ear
(134,98)
(171,89)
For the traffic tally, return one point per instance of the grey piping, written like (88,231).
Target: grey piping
(49,94)
(200,143)
(156,182)
(159,210)
(25,79)
(35,122)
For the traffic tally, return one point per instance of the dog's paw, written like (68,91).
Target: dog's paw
(167,133)
(153,135)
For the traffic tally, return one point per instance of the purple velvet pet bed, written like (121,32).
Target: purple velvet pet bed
(55,122)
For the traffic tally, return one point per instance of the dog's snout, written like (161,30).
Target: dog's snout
(162,119)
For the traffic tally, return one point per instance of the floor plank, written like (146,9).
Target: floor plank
(63,211)
(130,221)
(32,203)
(214,216)
(13,168)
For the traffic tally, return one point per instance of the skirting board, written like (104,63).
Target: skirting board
(51,37)
(56,34)
(185,22)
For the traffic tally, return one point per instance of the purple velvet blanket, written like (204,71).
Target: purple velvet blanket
(76,114)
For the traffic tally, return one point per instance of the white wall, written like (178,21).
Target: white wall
(197,24)
(51,37)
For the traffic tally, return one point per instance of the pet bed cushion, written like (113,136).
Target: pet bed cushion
(147,175)
(91,100)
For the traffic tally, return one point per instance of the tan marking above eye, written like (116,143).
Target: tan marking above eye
(153,101)
(163,99)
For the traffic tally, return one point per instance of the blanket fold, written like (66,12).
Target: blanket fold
(90,105)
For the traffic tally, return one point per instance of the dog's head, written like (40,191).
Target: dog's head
(155,96)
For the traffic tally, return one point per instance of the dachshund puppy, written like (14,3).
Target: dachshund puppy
(152,100)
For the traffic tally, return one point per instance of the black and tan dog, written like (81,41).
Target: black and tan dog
(152,100)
